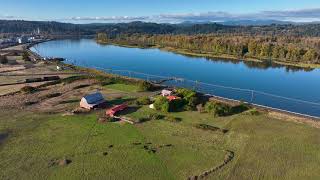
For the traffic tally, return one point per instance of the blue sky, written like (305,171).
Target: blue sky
(159,10)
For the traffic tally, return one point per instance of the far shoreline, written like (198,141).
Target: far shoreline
(212,56)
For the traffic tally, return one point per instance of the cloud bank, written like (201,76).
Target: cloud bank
(303,15)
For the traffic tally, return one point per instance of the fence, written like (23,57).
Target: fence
(259,98)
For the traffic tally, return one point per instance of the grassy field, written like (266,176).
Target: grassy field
(264,148)
(123,87)
(35,136)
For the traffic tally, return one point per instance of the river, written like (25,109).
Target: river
(264,78)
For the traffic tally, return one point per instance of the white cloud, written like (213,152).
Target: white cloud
(303,15)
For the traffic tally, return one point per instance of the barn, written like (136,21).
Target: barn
(92,101)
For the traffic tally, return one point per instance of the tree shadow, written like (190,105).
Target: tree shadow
(128,110)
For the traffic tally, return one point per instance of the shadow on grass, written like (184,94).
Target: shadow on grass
(69,101)
(3,137)
(128,110)
(120,101)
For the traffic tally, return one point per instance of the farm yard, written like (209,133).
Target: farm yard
(44,135)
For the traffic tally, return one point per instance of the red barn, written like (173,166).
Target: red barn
(112,111)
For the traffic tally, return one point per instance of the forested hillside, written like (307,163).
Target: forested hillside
(279,48)
(310,30)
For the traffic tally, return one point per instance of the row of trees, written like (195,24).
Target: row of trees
(57,28)
(290,49)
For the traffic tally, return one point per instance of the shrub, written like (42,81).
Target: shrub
(186,93)
(143,101)
(155,116)
(25,56)
(173,119)
(143,119)
(210,128)
(176,105)
(191,103)
(162,104)
(3,60)
(53,95)
(145,86)
(253,112)
(165,107)
(242,107)
(217,109)
(28,89)
(190,98)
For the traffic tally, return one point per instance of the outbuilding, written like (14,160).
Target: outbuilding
(166,92)
(112,111)
(92,101)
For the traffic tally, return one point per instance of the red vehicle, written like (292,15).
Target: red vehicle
(112,111)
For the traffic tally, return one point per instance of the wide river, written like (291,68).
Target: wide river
(287,88)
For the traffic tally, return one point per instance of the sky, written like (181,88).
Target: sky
(171,11)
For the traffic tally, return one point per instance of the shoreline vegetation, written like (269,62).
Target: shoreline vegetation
(301,58)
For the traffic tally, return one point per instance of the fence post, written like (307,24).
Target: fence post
(252,96)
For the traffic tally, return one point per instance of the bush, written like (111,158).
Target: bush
(28,89)
(176,105)
(253,112)
(190,98)
(143,101)
(53,95)
(173,119)
(162,104)
(3,60)
(25,56)
(217,109)
(145,86)
(155,116)
(242,107)
(191,103)
(210,128)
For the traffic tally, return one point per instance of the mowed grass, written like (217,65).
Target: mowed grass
(264,148)
(123,87)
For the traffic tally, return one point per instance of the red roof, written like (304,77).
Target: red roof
(171,98)
(115,109)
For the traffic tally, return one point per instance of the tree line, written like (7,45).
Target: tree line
(280,48)
(56,28)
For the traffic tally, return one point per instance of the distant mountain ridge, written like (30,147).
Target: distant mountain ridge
(250,22)
(234,27)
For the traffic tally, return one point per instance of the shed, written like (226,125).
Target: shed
(172,98)
(166,92)
(92,100)
(112,111)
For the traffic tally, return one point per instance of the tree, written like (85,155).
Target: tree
(310,56)
(25,56)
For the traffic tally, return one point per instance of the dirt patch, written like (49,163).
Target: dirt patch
(296,119)
(59,162)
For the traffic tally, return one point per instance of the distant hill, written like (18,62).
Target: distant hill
(233,27)
(256,22)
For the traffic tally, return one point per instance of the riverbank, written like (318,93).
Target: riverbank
(218,57)
(42,128)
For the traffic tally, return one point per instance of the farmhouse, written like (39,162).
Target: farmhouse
(92,101)
(166,92)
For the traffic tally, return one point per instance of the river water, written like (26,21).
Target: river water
(265,78)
